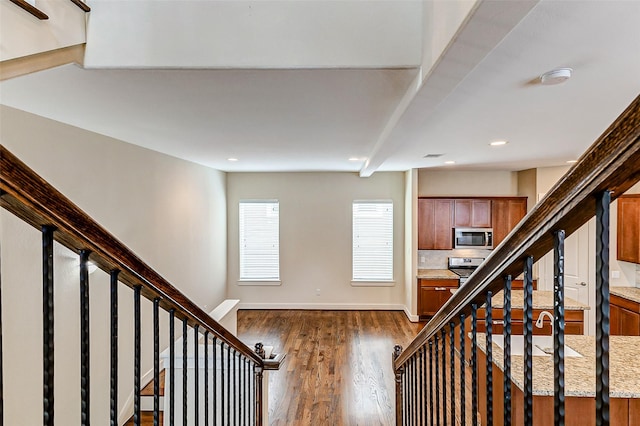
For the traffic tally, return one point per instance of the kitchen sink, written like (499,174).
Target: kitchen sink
(542,346)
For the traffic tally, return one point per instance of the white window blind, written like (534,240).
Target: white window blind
(259,240)
(372,241)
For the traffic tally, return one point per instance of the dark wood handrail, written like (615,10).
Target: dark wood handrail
(31,9)
(611,163)
(35,201)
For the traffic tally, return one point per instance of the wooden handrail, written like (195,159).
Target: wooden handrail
(35,201)
(31,9)
(82,5)
(611,163)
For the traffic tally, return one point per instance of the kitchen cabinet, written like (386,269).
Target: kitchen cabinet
(435,224)
(573,321)
(472,213)
(629,228)
(624,316)
(433,294)
(505,215)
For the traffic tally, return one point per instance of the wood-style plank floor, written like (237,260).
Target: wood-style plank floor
(338,367)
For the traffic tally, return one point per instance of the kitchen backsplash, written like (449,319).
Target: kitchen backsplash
(637,275)
(438,259)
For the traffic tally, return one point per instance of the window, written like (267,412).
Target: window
(372,240)
(259,240)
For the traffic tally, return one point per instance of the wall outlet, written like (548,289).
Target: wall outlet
(317,292)
(422,259)
(615,274)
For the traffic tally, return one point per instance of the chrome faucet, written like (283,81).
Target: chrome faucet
(540,320)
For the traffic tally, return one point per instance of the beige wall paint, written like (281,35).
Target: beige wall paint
(315,238)
(467,183)
(170,212)
(527,186)
(411,243)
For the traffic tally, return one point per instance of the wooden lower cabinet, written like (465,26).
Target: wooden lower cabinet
(625,317)
(573,321)
(432,294)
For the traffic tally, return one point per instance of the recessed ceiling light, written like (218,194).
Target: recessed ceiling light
(557,76)
(572,161)
(355,159)
(232,159)
(450,162)
(498,143)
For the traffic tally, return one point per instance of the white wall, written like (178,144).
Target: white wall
(170,212)
(23,34)
(315,239)
(255,34)
(467,183)
(411,243)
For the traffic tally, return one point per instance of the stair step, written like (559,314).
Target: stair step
(146,418)
(148,389)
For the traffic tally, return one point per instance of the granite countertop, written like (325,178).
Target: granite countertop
(631,293)
(624,371)
(436,274)
(541,300)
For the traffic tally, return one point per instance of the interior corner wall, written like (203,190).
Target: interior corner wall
(316,239)
(411,243)
(170,212)
(527,187)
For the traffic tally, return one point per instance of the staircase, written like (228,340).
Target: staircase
(147,395)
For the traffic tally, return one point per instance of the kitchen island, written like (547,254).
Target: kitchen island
(579,383)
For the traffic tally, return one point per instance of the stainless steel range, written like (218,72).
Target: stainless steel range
(464,266)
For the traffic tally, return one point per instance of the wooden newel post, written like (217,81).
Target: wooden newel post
(259,349)
(397,350)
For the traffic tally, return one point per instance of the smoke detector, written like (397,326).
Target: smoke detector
(557,76)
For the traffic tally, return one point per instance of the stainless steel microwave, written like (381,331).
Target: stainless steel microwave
(478,238)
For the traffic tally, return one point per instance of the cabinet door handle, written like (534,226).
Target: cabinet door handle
(441,288)
(498,322)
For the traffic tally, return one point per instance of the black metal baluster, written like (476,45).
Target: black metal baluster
(1,352)
(506,334)
(452,366)
(85,369)
(420,405)
(235,390)
(463,390)
(474,364)
(240,389)
(172,366)
(214,361)
(113,362)
(602,308)
(185,366)
(558,328)
(206,378)
(137,355)
(489,365)
(229,384)
(47,325)
(414,391)
(222,393)
(431,382)
(444,376)
(437,378)
(196,391)
(528,342)
(156,361)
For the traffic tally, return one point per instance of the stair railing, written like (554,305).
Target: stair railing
(232,388)
(427,369)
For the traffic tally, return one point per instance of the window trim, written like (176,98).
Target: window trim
(255,280)
(369,281)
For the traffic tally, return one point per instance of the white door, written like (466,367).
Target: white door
(579,270)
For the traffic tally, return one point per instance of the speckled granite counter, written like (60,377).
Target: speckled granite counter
(579,376)
(436,274)
(631,293)
(541,300)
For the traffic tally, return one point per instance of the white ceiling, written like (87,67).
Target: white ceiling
(483,89)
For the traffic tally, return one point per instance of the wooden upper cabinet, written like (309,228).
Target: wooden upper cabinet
(435,224)
(629,228)
(470,213)
(505,215)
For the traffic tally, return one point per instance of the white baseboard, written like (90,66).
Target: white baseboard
(325,306)
(412,318)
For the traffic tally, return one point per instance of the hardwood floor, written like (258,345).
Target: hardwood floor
(338,366)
